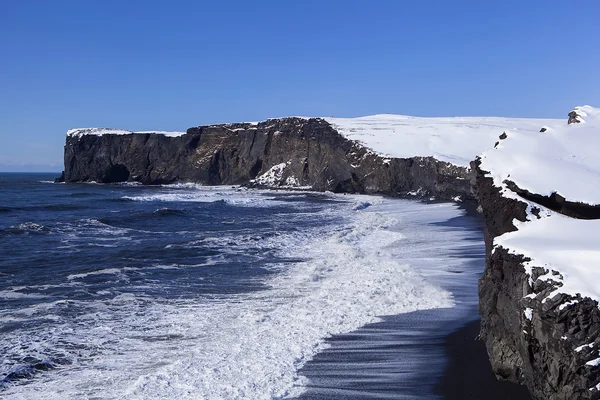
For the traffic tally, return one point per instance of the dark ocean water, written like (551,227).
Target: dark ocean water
(124,291)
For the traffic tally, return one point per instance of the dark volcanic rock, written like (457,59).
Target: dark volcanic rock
(538,352)
(314,153)
(61,178)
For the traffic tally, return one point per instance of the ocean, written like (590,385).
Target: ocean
(194,292)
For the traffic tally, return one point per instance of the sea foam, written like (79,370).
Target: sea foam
(251,345)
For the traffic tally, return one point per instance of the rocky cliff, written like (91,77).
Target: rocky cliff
(539,311)
(286,152)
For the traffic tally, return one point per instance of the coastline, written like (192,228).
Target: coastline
(428,354)
(468,373)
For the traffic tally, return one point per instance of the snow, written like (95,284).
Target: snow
(79,132)
(273,176)
(563,159)
(580,348)
(457,140)
(563,244)
(593,363)
(528,313)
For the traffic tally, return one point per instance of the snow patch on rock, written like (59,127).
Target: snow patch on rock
(273,176)
(79,132)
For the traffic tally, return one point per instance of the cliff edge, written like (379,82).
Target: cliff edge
(279,153)
(387,154)
(539,293)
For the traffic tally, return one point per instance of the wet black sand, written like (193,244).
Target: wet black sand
(468,373)
(429,354)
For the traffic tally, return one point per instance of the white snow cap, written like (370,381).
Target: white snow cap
(558,243)
(457,140)
(563,158)
(79,132)
(559,158)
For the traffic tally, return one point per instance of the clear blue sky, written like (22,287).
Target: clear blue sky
(169,65)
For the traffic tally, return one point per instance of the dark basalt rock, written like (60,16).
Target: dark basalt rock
(539,353)
(317,156)
(558,203)
(61,178)
(574,118)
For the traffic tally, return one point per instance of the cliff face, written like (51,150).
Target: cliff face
(540,328)
(287,152)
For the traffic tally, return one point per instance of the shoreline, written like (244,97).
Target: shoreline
(468,373)
(427,354)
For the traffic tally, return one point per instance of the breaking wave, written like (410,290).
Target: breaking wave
(235,346)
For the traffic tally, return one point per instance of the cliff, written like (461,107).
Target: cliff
(538,294)
(287,152)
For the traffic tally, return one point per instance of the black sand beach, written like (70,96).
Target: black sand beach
(429,354)
(468,374)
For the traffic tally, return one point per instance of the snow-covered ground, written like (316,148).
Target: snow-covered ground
(457,140)
(79,132)
(563,159)
(563,244)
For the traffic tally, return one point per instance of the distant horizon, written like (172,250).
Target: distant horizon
(26,170)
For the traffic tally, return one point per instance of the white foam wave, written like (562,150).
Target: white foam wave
(203,197)
(109,271)
(251,346)
(15,293)
(233,195)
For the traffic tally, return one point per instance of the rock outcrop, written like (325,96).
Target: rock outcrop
(286,152)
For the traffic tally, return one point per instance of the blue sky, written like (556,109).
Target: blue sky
(169,65)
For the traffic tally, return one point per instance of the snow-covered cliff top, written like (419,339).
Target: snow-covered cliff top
(457,140)
(559,243)
(453,139)
(563,159)
(78,132)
